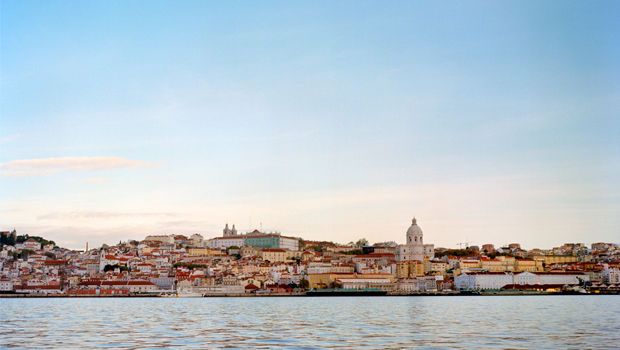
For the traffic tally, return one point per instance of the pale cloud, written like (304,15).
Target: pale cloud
(10,138)
(49,166)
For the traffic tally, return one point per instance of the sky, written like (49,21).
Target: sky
(490,122)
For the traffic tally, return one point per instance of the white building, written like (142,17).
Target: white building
(290,243)
(366,283)
(417,284)
(611,276)
(497,280)
(414,248)
(225,242)
(6,285)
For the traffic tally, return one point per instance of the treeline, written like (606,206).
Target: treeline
(456,252)
(467,252)
(13,240)
(109,267)
(354,252)
(190,266)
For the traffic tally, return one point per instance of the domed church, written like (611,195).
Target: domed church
(414,248)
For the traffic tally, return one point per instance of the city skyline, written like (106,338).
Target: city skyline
(488,122)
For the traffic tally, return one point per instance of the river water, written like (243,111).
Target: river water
(455,322)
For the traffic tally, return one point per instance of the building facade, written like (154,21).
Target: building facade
(225,242)
(497,280)
(272,241)
(414,248)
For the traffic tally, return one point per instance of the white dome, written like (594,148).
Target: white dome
(414,229)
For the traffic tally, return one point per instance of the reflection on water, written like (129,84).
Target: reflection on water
(491,322)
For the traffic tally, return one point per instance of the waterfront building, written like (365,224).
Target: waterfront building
(163,282)
(418,284)
(6,285)
(136,286)
(611,276)
(414,248)
(381,283)
(497,280)
(322,280)
(38,289)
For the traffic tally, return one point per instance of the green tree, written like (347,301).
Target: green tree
(190,266)
(304,284)
(24,238)
(25,253)
(7,239)
(361,242)
(112,267)
(455,252)
(334,285)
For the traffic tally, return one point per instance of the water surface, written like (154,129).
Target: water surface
(457,322)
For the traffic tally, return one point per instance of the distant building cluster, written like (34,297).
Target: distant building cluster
(269,262)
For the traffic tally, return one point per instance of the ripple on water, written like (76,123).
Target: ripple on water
(562,322)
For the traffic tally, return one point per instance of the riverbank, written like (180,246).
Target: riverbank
(272,295)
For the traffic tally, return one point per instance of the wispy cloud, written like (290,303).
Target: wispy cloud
(49,166)
(10,138)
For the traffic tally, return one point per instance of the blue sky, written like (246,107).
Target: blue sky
(493,122)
